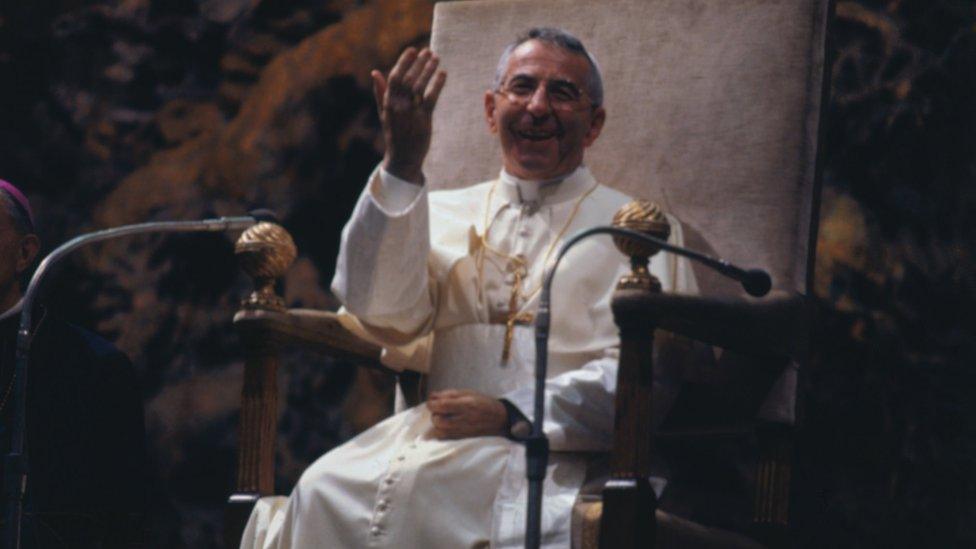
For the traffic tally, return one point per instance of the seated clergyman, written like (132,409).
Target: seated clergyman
(458,274)
(85,439)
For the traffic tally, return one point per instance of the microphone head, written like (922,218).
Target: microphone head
(757,282)
(264,214)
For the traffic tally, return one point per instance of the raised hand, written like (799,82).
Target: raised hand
(461,413)
(405,101)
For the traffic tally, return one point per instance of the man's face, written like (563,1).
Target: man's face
(542,114)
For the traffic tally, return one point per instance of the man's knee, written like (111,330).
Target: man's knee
(322,470)
(337,471)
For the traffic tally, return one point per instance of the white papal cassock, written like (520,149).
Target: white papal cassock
(412,267)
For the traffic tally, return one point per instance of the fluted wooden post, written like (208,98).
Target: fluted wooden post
(773,478)
(265,251)
(259,417)
(629,501)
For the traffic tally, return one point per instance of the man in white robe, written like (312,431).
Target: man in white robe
(454,277)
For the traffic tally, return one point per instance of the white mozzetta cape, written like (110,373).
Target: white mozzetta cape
(408,269)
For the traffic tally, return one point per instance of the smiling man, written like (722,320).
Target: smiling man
(456,276)
(546,107)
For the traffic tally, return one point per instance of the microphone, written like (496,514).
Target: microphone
(640,230)
(757,282)
(15,465)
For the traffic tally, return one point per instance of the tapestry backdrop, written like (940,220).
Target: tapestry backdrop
(123,111)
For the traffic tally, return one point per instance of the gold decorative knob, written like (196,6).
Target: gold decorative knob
(265,251)
(645,217)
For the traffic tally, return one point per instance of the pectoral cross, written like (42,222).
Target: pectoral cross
(513,315)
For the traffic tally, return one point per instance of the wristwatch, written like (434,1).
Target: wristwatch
(517,426)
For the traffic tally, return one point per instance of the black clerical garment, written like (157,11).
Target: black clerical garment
(85,438)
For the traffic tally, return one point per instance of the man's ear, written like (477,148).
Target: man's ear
(490,111)
(29,246)
(596,126)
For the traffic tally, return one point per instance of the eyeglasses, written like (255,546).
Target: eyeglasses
(563,95)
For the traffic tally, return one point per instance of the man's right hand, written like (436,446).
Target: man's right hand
(405,101)
(463,413)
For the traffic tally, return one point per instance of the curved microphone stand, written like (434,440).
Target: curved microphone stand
(756,282)
(15,469)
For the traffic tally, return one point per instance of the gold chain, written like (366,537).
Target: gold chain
(520,266)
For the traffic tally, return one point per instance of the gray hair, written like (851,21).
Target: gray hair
(564,40)
(22,223)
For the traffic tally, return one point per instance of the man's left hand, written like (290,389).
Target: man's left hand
(462,413)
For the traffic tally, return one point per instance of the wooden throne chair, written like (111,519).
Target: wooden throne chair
(714,113)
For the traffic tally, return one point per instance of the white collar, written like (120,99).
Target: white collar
(545,193)
(15,310)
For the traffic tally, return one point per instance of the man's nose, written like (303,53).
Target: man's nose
(539,102)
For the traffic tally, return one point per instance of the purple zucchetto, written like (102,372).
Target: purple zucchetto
(20,200)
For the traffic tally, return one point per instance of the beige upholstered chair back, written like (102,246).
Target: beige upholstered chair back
(713,111)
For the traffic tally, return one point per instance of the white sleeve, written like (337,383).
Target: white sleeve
(579,404)
(392,194)
(381,273)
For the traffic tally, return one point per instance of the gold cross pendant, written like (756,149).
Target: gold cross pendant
(513,315)
(524,318)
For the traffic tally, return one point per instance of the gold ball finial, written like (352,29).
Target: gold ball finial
(265,251)
(646,217)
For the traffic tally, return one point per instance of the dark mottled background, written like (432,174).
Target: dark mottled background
(121,111)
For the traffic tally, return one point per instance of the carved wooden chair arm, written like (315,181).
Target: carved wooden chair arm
(264,333)
(775,325)
(266,326)
(768,332)
(314,330)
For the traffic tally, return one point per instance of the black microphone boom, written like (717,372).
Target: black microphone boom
(15,466)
